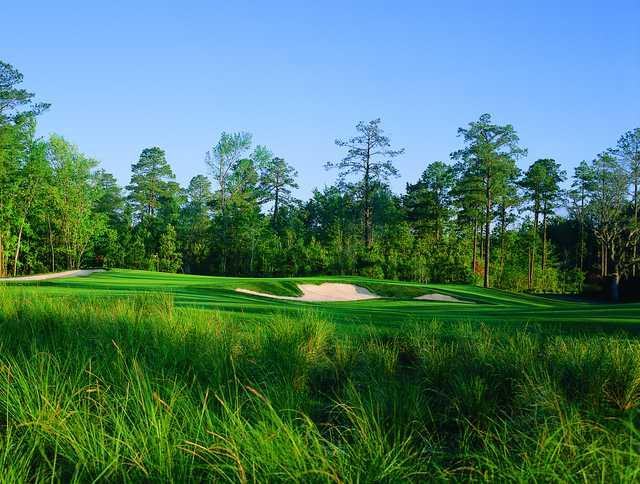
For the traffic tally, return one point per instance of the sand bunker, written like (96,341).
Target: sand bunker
(439,297)
(328,291)
(55,275)
(333,291)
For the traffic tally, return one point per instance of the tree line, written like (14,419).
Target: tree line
(477,218)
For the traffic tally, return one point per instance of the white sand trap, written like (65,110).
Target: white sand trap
(439,297)
(54,275)
(328,291)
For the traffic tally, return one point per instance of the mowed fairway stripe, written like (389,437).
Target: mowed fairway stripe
(218,293)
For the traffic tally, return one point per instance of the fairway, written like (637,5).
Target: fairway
(395,309)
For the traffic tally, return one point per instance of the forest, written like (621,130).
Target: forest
(475,218)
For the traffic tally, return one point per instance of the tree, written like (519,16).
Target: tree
(109,198)
(277,178)
(628,151)
(505,203)
(488,160)
(136,253)
(169,258)
(73,198)
(223,159)
(153,197)
(12,98)
(151,183)
(582,186)
(17,127)
(370,158)
(110,204)
(607,210)
(467,197)
(226,161)
(541,184)
(331,216)
(32,183)
(429,200)
(195,223)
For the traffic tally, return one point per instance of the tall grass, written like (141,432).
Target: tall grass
(137,390)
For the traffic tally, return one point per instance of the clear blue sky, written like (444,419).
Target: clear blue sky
(123,76)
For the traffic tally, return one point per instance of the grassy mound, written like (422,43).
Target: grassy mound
(276,287)
(136,389)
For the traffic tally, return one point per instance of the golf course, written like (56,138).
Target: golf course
(314,242)
(396,306)
(142,376)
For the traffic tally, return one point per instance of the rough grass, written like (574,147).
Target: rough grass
(135,389)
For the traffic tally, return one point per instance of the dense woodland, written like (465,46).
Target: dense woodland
(474,218)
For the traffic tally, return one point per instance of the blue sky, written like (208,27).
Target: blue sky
(123,76)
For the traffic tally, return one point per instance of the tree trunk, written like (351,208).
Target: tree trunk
(487,247)
(614,286)
(2,265)
(275,206)
(17,254)
(581,221)
(368,239)
(487,239)
(2,270)
(503,229)
(53,253)
(474,258)
(635,221)
(368,223)
(581,248)
(544,237)
(532,249)
(439,211)
(253,250)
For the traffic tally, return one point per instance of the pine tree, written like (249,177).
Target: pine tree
(169,258)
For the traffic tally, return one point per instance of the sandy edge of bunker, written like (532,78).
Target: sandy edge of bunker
(335,292)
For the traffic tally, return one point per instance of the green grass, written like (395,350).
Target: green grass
(133,376)
(218,293)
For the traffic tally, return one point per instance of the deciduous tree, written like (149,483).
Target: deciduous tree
(628,151)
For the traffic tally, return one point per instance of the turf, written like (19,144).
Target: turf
(130,376)
(396,309)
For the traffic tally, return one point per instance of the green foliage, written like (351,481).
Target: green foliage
(487,166)
(370,159)
(429,201)
(277,178)
(151,183)
(13,98)
(169,259)
(72,197)
(136,389)
(195,224)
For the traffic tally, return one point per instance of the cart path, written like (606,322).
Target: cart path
(54,275)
